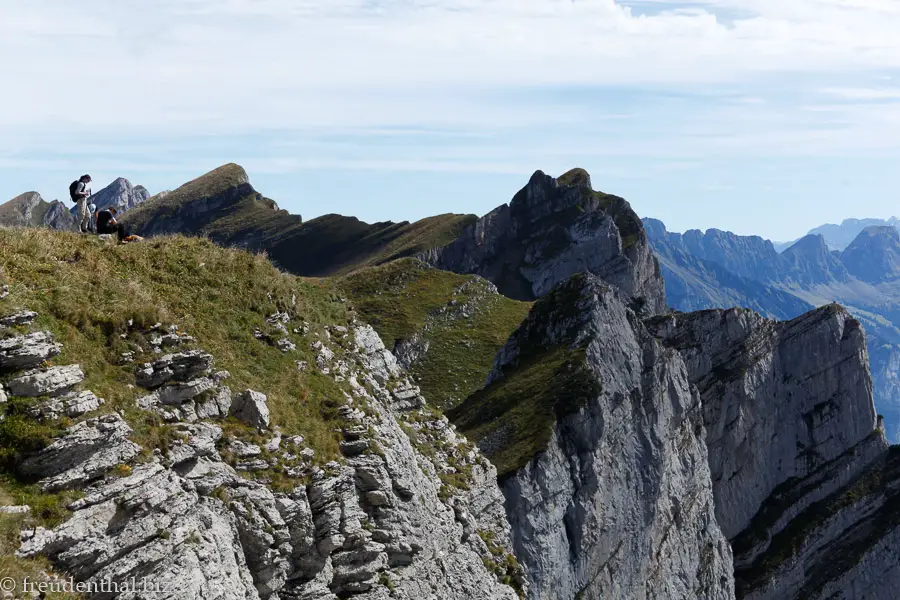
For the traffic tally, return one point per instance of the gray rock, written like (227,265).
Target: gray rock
(27,351)
(15,510)
(551,230)
(285,345)
(73,404)
(52,381)
(23,317)
(252,408)
(411,351)
(199,440)
(620,503)
(243,449)
(799,460)
(87,451)
(156,528)
(120,194)
(180,367)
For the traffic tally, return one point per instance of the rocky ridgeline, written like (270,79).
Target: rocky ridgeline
(805,484)
(620,503)
(551,230)
(707,455)
(412,511)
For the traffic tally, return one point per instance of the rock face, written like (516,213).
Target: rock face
(552,229)
(389,521)
(800,468)
(30,210)
(27,351)
(52,381)
(121,195)
(251,408)
(619,502)
(874,256)
(694,283)
(864,278)
(809,262)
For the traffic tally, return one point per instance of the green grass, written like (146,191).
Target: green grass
(235,214)
(512,419)
(407,297)
(215,182)
(46,510)
(518,412)
(86,292)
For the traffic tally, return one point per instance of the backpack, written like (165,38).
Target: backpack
(72,189)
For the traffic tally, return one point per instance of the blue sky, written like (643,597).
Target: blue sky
(758,116)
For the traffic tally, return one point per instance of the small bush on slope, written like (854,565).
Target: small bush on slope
(461,319)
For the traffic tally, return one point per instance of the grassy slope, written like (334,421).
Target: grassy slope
(512,419)
(324,246)
(87,291)
(407,297)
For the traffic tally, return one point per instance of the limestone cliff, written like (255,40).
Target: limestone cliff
(803,480)
(121,195)
(272,448)
(379,524)
(616,501)
(551,230)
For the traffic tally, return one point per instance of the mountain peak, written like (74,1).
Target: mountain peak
(874,255)
(810,262)
(576,177)
(30,210)
(120,194)
(552,229)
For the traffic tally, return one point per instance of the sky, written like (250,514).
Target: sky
(764,117)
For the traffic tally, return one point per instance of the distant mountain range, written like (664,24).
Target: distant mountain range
(550,229)
(838,237)
(719,269)
(31,210)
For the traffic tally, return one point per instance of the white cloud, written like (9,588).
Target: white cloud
(232,65)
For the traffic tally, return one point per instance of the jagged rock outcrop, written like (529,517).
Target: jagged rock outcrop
(617,501)
(808,273)
(800,467)
(250,407)
(51,381)
(413,511)
(30,210)
(552,229)
(27,351)
(119,194)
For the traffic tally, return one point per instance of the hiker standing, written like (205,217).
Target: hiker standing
(79,192)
